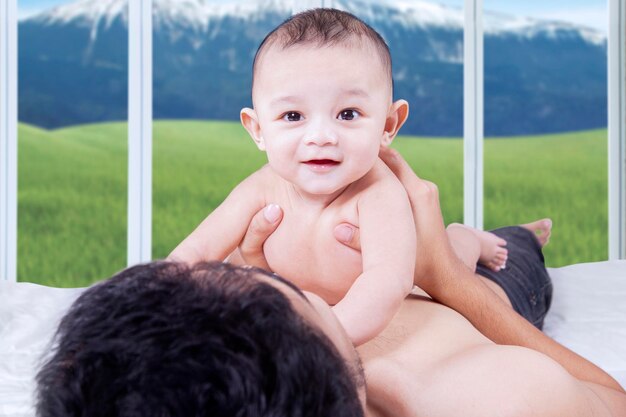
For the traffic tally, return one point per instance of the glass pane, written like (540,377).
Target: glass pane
(426,44)
(202,79)
(545,122)
(72,148)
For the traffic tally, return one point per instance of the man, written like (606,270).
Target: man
(139,344)
(165,339)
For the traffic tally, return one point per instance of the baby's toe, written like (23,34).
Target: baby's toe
(494,266)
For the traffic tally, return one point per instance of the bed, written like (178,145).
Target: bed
(588,315)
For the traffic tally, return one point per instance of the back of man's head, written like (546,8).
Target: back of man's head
(162,339)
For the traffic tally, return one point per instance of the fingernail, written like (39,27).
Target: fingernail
(271,213)
(344,233)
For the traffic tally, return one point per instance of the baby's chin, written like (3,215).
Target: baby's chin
(319,184)
(322,189)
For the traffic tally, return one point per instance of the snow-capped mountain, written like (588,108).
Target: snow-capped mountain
(168,14)
(198,14)
(203,53)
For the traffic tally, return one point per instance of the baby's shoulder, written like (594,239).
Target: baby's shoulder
(381,181)
(266,184)
(261,178)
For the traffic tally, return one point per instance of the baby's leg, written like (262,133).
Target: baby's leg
(473,246)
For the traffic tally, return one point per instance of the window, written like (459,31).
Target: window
(545,118)
(545,153)
(72,106)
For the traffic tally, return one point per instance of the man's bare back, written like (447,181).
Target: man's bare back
(431,361)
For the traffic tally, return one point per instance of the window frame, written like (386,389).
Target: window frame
(8,140)
(617,128)
(139,217)
(473,110)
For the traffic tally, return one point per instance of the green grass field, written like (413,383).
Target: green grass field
(72,190)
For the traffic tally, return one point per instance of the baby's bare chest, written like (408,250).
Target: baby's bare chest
(304,250)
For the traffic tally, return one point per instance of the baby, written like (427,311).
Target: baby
(322,97)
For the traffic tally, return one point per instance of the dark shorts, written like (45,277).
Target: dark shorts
(525,279)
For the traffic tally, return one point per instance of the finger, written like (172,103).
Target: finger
(420,191)
(263,224)
(349,235)
(397,164)
(235,258)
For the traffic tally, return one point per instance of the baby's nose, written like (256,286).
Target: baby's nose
(321,138)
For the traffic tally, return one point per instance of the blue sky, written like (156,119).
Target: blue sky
(587,12)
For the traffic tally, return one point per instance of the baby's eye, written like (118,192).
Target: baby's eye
(292,116)
(348,114)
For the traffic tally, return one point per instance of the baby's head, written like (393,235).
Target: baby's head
(325,28)
(322,96)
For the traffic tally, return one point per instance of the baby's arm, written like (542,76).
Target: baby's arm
(388,246)
(222,230)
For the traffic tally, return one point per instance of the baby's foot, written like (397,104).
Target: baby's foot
(542,230)
(493,253)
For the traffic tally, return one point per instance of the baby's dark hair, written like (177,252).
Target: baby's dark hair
(325,27)
(163,339)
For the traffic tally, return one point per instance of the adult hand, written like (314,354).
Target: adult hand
(262,225)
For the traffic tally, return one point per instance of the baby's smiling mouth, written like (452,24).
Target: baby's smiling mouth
(321,166)
(321,162)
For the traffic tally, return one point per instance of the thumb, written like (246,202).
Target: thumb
(272,213)
(348,235)
(263,224)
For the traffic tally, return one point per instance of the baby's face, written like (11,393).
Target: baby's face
(321,114)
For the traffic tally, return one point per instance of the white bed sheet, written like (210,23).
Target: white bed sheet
(588,315)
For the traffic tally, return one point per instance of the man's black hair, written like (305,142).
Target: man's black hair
(163,339)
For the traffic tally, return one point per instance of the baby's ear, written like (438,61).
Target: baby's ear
(250,122)
(398,113)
